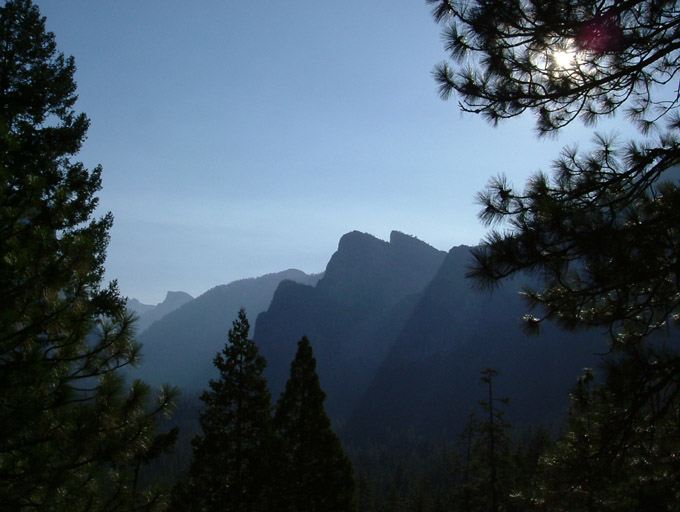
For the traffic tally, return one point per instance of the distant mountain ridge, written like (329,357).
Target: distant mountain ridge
(147,314)
(138,308)
(180,347)
(399,334)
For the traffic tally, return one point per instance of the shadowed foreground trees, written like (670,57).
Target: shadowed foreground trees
(232,466)
(73,434)
(603,231)
(245,460)
(315,474)
(621,447)
(487,465)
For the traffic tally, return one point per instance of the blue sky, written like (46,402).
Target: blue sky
(242,138)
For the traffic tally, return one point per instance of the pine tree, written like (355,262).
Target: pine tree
(602,233)
(488,466)
(232,460)
(466,441)
(314,474)
(621,445)
(72,433)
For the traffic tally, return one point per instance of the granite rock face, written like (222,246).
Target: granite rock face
(351,317)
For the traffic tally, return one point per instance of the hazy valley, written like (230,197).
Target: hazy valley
(399,334)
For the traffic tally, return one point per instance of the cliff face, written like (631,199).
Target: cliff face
(429,381)
(351,316)
(371,274)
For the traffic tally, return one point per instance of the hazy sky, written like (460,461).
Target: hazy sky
(240,138)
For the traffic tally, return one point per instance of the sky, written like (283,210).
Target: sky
(243,138)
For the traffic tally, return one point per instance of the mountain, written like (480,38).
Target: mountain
(138,308)
(351,316)
(399,334)
(179,348)
(147,314)
(429,382)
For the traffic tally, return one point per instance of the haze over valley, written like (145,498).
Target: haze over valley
(397,331)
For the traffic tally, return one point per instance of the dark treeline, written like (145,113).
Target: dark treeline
(73,433)
(492,466)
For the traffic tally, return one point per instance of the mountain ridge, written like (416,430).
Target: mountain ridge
(180,347)
(399,333)
(347,314)
(148,314)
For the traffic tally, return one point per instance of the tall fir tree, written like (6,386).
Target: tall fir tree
(314,473)
(488,465)
(72,433)
(231,468)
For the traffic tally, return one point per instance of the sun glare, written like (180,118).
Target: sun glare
(564,58)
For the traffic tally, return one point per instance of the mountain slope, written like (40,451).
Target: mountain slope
(351,316)
(147,314)
(180,347)
(430,380)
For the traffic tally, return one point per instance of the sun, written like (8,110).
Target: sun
(564,59)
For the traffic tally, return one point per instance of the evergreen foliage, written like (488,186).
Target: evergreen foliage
(603,231)
(621,448)
(488,464)
(405,470)
(232,459)
(73,434)
(314,473)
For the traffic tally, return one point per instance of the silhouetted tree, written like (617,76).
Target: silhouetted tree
(620,449)
(534,445)
(314,475)
(487,460)
(72,433)
(466,441)
(603,232)
(232,461)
